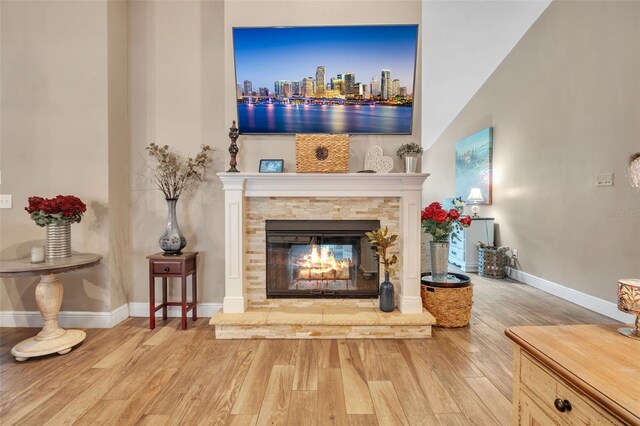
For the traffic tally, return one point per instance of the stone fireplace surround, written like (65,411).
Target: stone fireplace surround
(251,198)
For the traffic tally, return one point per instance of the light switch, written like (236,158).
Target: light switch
(604,179)
(5,201)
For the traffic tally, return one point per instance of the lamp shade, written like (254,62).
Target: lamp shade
(475,195)
(629,302)
(629,296)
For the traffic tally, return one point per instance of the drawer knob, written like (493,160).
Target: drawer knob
(562,405)
(167,269)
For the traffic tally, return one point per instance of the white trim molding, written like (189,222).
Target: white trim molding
(86,319)
(585,300)
(205,310)
(66,319)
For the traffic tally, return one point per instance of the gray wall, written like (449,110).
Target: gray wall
(564,105)
(86,86)
(63,115)
(182,93)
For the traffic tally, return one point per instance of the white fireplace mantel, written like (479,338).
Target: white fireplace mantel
(406,186)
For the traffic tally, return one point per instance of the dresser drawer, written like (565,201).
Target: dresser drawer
(166,268)
(458,253)
(530,414)
(458,243)
(546,387)
(540,383)
(456,261)
(582,412)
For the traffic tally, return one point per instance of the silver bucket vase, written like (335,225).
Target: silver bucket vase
(439,256)
(410,162)
(58,241)
(172,241)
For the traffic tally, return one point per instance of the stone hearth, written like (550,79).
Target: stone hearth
(253,198)
(317,321)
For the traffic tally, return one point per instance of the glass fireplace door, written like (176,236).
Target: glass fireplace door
(317,264)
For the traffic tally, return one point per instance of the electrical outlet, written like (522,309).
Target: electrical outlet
(5,201)
(514,253)
(604,179)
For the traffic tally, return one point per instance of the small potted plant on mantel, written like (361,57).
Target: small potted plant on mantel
(409,152)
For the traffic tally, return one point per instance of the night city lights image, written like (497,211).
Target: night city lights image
(335,79)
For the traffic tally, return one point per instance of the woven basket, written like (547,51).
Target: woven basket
(451,307)
(322,153)
(491,262)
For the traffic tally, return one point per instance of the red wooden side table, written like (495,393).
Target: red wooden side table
(180,266)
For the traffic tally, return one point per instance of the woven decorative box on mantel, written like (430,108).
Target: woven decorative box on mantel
(322,153)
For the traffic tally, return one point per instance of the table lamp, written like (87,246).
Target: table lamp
(475,197)
(629,302)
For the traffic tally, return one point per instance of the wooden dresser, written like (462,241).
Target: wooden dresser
(575,375)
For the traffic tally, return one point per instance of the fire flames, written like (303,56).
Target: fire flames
(321,264)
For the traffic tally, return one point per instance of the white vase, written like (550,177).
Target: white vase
(410,162)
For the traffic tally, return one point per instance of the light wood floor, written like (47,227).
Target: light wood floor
(130,375)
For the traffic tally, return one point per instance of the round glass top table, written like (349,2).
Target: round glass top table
(453,280)
(52,338)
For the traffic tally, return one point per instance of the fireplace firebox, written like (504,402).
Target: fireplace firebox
(321,259)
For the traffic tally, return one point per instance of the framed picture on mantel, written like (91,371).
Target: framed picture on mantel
(474,168)
(271,166)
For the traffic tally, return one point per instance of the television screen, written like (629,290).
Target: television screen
(336,79)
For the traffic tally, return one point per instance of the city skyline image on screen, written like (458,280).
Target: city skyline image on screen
(333,79)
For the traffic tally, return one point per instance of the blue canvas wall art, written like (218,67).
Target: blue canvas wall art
(474,164)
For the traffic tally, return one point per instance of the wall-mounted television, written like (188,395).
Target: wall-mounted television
(331,79)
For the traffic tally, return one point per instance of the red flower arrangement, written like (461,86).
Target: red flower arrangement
(59,210)
(441,223)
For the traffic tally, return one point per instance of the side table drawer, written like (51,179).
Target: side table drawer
(166,268)
(546,387)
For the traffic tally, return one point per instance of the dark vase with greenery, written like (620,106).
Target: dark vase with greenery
(381,241)
(387,302)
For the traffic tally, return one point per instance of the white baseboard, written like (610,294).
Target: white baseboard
(141,309)
(410,304)
(66,319)
(585,300)
(119,314)
(82,319)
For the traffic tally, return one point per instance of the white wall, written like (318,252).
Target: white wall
(463,43)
